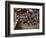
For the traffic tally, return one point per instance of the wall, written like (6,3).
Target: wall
(2,19)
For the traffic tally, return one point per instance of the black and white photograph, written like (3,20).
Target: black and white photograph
(26,18)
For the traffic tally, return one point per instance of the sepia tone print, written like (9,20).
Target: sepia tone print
(26,18)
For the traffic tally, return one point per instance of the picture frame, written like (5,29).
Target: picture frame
(13,7)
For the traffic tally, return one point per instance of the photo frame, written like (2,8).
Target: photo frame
(24,18)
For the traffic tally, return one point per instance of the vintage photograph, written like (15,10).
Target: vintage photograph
(26,18)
